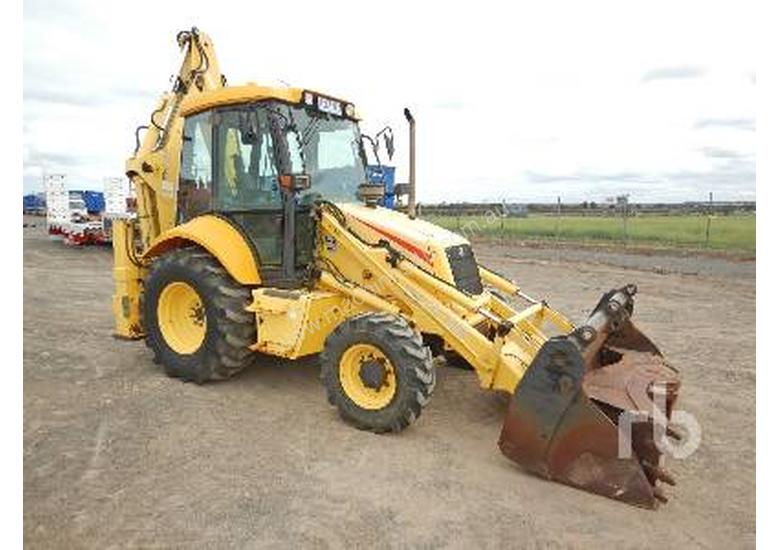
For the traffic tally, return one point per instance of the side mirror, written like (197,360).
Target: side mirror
(389,145)
(294,182)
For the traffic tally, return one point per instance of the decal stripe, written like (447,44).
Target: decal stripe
(417,251)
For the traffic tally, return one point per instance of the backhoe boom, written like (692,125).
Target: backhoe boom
(155,162)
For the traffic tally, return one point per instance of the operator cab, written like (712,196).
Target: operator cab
(260,157)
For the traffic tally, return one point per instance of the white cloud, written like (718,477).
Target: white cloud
(577,100)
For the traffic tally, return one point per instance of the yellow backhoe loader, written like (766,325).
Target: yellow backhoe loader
(257,232)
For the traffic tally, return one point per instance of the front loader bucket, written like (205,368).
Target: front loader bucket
(592,409)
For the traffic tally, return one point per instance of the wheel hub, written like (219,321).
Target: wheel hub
(367,376)
(372,374)
(181,317)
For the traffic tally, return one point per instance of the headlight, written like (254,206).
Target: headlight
(349,110)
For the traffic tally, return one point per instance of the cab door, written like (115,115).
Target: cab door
(240,182)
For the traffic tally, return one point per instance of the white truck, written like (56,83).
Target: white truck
(67,216)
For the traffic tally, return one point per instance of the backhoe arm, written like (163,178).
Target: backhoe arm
(154,166)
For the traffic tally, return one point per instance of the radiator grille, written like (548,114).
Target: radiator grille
(465,271)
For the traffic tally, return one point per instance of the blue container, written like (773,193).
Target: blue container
(33,202)
(94,201)
(385,175)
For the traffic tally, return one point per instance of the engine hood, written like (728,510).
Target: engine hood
(421,242)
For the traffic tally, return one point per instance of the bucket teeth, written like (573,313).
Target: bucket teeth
(659,473)
(674,434)
(659,494)
(666,477)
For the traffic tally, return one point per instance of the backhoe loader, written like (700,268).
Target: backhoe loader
(256,232)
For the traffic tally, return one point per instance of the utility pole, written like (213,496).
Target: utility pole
(502,214)
(709,221)
(622,201)
(558,230)
(625,222)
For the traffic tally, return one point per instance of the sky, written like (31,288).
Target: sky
(513,101)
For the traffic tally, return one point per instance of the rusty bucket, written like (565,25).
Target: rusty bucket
(593,408)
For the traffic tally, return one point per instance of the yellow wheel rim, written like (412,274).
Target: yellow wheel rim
(181,318)
(367,376)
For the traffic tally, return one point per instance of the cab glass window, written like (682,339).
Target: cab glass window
(195,181)
(246,170)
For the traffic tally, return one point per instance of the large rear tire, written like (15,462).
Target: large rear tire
(194,317)
(377,372)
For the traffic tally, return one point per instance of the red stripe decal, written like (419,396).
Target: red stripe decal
(419,252)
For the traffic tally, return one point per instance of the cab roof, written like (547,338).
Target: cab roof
(234,95)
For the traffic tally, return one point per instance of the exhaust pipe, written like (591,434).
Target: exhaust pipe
(412,207)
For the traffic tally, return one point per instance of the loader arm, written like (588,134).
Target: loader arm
(500,350)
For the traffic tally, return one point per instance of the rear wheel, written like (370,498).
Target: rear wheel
(377,372)
(194,317)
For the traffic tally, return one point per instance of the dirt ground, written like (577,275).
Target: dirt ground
(118,455)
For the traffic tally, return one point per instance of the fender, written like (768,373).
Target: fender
(220,238)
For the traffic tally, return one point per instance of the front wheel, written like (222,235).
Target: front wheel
(377,372)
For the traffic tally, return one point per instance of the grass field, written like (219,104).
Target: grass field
(735,232)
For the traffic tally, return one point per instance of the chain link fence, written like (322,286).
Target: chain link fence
(704,225)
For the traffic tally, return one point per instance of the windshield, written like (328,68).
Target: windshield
(326,147)
(249,147)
